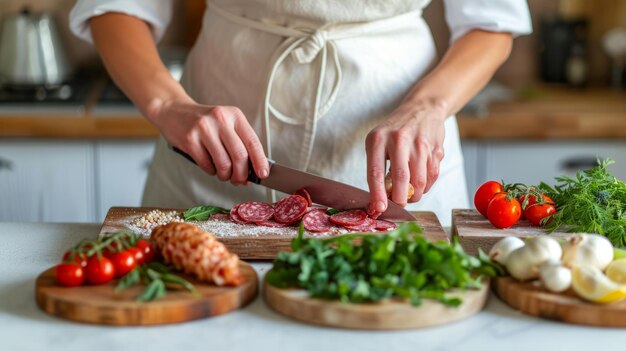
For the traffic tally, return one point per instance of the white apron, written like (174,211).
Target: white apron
(313,78)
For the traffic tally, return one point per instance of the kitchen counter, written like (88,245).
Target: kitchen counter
(30,248)
(548,114)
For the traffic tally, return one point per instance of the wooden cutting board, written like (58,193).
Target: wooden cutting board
(532,299)
(101,305)
(386,315)
(474,231)
(264,244)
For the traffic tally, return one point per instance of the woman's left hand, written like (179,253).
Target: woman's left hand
(412,140)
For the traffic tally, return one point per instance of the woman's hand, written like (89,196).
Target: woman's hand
(412,140)
(218,138)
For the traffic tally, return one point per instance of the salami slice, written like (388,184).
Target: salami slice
(367,225)
(348,218)
(305,194)
(382,224)
(255,211)
(219,217)
(317,221)
(290,209)
(234,216)
(272,224)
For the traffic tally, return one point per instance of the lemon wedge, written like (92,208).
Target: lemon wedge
(616,271)
(591,284)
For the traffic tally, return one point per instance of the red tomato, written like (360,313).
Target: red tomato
(81,259)
(484,194)
(123,262)
(503,212)
(535,212)
(137,253)
(148,250)
(69,274)
(111,249)
(99,271)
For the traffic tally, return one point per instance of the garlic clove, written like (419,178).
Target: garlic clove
(587,250)
(555,277)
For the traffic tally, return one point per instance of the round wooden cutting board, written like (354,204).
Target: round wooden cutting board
(387,315)
(532,299)
(101,305)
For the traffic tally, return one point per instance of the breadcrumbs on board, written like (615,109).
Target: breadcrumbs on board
(223,227)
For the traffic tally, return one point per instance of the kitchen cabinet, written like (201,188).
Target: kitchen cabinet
(46,181)
(121,172)
(533,161)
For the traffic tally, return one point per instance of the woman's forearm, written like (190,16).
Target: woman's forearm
(465,69)
(129,53)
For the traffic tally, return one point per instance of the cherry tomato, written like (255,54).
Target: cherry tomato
(484,194)
(535,212)
(503,212)
(80,259)
(99,271)
(148,250)
(123,262)
(137,253)
(111,249)
(69,274)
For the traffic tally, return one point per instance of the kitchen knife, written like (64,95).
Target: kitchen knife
(323,191)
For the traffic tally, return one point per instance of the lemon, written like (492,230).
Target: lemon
(616,271)
(591,284)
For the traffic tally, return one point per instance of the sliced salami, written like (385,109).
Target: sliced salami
(317,221)
(290,209)
(234,215)
(305,194)
(219,217)
(367,225)
(272,224)
(255,211)
(348,218)
(382,224)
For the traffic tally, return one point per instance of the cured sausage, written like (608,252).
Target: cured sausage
(348,218)
(317,221)
(255,211)
(290,209)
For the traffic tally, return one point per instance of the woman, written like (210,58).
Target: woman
(335,88)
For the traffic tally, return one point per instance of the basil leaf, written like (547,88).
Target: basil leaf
(202,213)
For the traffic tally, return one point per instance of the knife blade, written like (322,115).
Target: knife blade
(323,191)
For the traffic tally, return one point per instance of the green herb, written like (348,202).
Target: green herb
(202,213)
(331,211)
(399,264)
(157,278)
(593,202)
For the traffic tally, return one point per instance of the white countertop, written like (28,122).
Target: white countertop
(27,249)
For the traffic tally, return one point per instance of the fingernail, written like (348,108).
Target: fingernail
(263,173)
(380,206)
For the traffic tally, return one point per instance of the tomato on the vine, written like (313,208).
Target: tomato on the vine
(484,194)
(123,262)
(503,211)
(535,212)
(69,274)
(149,252)
(137,253)
(79,258)
(99,270)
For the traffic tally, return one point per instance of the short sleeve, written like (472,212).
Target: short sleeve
(157,13)
(510,16)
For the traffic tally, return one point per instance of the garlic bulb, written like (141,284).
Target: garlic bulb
(587,250)
(523,263)
(503,248)
(555,277)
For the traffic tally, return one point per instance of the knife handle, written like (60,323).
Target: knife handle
(252,177)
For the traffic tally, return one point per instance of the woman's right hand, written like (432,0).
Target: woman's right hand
(218,138)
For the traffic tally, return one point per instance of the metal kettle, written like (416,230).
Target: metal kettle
(31,52)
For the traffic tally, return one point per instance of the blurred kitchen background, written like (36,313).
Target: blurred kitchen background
(72,146)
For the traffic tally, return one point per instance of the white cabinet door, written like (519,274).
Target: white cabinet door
(122,169)
(46,181)
(533,162)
